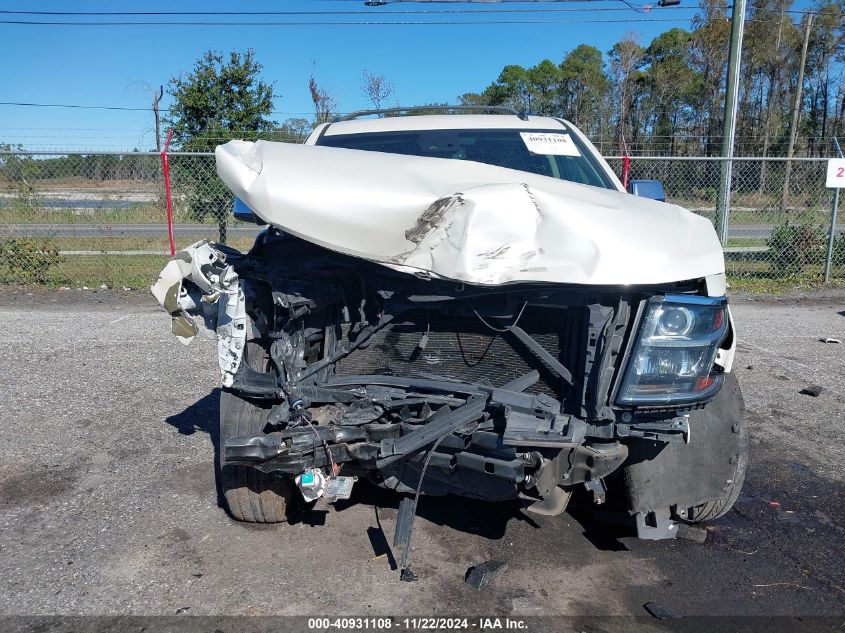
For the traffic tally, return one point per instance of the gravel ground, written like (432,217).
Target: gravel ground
(108,502)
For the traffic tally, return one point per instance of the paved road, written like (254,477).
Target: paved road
(109,504)
(759,231)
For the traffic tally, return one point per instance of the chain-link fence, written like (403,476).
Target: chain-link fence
(100,218)
(778,224)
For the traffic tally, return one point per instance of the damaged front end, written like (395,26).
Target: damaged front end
(203,293)
(434,386)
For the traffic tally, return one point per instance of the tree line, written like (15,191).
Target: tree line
(666,97)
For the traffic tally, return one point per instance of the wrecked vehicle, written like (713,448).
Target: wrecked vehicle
(464,304)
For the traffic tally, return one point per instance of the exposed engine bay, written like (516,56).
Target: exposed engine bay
(440,326)
(424,385)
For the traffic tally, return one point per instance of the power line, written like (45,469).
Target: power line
(332,13)
(16,128)
(70,105)
(497,2)
(462,11)
(98,107)
(349,23)
(476,2)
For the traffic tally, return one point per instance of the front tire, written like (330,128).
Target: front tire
(251,495)
(699,481)
(731,408)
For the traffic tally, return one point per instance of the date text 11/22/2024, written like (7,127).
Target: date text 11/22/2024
(416,624)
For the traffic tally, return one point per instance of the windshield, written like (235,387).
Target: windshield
(503,148)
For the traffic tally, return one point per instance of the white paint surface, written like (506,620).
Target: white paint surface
(493,225)
(835,174)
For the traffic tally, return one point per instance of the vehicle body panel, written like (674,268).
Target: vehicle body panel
(450,326)
(467,221)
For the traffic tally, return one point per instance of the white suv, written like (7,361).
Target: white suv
(465,304)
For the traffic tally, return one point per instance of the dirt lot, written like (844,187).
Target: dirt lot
(108,502)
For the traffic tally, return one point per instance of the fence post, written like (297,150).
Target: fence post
(832,237)
(723,204)
(168,200)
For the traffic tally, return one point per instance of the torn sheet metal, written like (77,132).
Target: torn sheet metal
(467,221)
(202,293)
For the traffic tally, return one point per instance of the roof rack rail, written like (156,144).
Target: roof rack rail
(481,108)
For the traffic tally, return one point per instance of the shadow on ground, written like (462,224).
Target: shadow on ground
(204,416)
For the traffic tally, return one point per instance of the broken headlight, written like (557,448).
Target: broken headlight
(672,359)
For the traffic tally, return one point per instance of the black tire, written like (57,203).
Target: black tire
(720,506)
(251,496)
(699,481)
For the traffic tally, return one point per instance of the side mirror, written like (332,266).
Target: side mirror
(244,213)
(647,189)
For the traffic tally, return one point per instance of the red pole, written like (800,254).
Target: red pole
(626,164)
(166,169)
(626,167)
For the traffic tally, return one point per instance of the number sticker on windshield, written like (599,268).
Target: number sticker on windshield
(549,144)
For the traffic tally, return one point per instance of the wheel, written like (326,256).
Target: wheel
(699,481)
(727,408)
(251,496)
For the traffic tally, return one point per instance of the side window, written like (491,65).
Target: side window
(573,169)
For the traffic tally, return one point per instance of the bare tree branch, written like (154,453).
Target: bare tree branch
(376,88)
(324,103)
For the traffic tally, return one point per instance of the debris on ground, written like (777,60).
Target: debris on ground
(830,339)
(774,504)
(812,390)
(692,533)
(659,611)
(406,575)
(483,574)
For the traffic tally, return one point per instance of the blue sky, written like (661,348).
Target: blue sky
(116,66)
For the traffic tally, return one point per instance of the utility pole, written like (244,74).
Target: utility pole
(156,98)
(729,124)
(796,110)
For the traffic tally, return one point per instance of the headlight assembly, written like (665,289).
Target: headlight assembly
(672,359)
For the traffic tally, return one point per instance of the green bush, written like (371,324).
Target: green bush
(794,246)
(27,260)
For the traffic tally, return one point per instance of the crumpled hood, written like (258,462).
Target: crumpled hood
(467,221)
